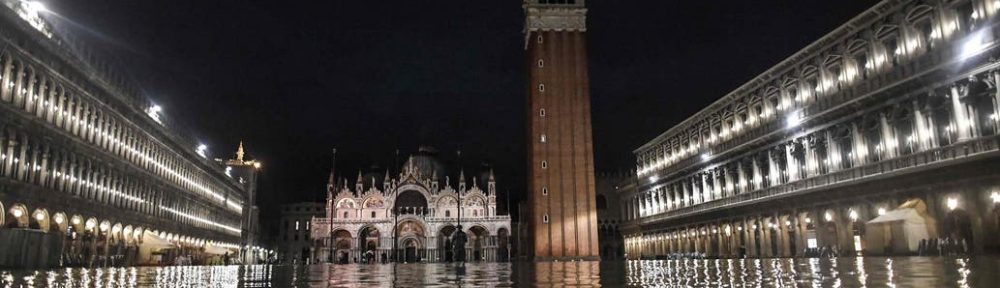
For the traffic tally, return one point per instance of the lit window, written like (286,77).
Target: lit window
(541,87)
(545,164)
(545,218)
(543,138)
(541,112)
(296,225)
(307,225)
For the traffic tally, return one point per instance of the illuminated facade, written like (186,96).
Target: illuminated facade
(418,209)
(563,222)
(90,173)
(890,119)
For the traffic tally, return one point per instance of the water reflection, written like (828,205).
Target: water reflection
(802,272)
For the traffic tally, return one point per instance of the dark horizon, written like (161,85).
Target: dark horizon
(295,81)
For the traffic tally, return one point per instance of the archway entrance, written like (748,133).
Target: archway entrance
(445,248)
(342,246)
(410,251)
(368,239)
(958,231)
(411,235)
(477,237)
(503,237)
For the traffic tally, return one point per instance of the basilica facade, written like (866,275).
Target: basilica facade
(411,216)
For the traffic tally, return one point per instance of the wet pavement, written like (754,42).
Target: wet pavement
(780,272)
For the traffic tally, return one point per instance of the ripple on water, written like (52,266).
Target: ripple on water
(784,272)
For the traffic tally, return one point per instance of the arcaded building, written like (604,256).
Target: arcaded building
(94,173)
(414,212)
(879,138)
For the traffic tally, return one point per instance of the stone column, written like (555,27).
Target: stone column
(960,121)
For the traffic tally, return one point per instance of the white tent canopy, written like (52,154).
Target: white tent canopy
(155,241)
(900,230)
(212,249)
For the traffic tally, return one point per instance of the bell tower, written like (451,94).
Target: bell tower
(560,146)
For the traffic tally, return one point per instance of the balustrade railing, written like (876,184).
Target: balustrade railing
(941,155)
(327,221)
(863,86)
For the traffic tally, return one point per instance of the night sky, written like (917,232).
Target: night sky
(294,80)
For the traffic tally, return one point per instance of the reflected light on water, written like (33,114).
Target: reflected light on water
(774,272)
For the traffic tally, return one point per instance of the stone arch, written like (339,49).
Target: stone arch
(368,238)
(373,202)
(127,234)
(790,235)
(503,243)
(17,216)
(829,229)
(40,220)
(341,240)
(76,222)
(445,248)
(137,234)
(807,228)
(104,227)
(90,226)
(61,222)
(413,187)
(346,203)
(958,228)
(411,202)
(116,232)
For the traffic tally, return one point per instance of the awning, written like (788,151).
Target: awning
(212,249)
(155,241)
(908,215)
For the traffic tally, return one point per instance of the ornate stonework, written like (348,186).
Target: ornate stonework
(544,18)
(359,223)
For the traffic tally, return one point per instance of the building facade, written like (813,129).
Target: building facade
(563,217)
(609,214)
(91,173)
(411,216)
(294,243)
(879,138)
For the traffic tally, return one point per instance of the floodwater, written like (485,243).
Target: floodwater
(782,272)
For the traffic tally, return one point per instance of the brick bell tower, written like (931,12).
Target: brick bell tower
(560,146)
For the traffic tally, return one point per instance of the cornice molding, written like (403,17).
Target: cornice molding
(555,19)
